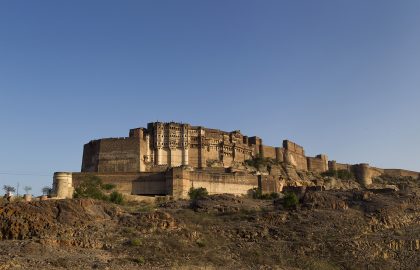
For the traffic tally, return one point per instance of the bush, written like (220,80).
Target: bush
(139,260)
(197,193)
(271,196)
(345,175)
(8,188)
(290,200)
(260,162)
(256,193)
(135,242)
(46,190)
(90,187)
(108,187)
(200,243)
(116,197)
(340,174)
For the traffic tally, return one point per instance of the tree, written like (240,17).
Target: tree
(116,197)
(290,200)
(90,187)
(197,193)
(46,190)
(8,188)
(27,189)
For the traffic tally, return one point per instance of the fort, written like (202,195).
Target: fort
(167,159)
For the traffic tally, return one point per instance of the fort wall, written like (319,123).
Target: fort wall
(363,173)
(270,183)
(401,173)
(318,164)
(269,152)
(170,158)
(280,154)
(216,183)
(62,185)
(112,155)
(175,182)
(122,181)
(295,155)
(335,166)
(90,160)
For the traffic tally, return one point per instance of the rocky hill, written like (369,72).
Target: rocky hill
(327,230)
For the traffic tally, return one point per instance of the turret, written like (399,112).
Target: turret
(362,173)
(62,185)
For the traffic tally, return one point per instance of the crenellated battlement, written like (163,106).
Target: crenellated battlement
(164,145)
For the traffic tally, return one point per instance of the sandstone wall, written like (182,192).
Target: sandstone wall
(318,164)
(141,183)
(363,173)
(150,185)
(401,173)
(145,155)
(212,153)
(256,143)
(269,184)
(112,155)
(375,172)
(269,152)
(341,166)
(90,160)
(295,155)
(280,154)
(193,157)
(215,183)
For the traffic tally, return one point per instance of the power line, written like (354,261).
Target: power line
(28,174)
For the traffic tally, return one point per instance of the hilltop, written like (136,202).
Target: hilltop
(333,229)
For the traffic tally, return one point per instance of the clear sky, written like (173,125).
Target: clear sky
(338,77)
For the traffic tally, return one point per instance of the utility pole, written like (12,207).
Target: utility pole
(17,190)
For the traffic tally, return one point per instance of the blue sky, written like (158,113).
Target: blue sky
(338,77)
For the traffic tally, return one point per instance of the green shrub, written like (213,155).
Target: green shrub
(260,162)
(290,200)
(116,197)
(46,190)
(197,193)
(340,174)
(108,187)
(345,175)
(200,243)
(135,242)
(129,230)
(139,260)
(90,187)
(271,196)
(256,193)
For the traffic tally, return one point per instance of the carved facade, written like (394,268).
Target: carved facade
(169,144)
(163,145)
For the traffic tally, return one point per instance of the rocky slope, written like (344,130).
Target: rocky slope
(328,230)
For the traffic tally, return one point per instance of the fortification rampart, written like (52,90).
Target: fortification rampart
(62,185)
(175,182)
(295,155)
(318,163)
(402,173)
(170,158)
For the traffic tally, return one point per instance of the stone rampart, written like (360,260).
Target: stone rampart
(401,173)
(270,183)
(318,164)
(112,155)
(295,155)
(62,185)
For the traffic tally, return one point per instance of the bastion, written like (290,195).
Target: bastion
(167,159)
